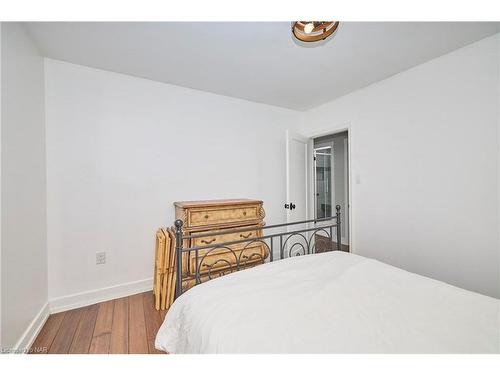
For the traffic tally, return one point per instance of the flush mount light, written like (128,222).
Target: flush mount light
(314,31)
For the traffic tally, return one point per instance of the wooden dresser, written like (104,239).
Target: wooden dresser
(215,215)
(207,217)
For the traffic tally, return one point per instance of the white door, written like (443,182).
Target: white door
(297,155)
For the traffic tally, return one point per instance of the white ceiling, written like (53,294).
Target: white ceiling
(257,61)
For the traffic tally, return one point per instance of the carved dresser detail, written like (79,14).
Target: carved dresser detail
(214,215)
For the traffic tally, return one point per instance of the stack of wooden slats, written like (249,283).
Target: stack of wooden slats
(164,273)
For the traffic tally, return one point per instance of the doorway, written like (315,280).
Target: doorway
(331,183)
(317,179)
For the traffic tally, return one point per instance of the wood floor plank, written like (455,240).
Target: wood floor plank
(44,340)
(163,313)
(124,325)
(119,329)
(84,331)
(153,321)
(102,331)
(138,340)
(66,332)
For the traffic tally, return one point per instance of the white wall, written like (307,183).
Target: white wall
(424,149)
(1,185)
(498,152)
(23,223)
(121,150)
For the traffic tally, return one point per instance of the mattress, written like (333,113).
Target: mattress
(333,302)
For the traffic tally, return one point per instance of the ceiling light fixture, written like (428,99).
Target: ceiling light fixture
(313,31)
(308,27)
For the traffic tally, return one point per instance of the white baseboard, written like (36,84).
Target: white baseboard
(27,338)
(91,297)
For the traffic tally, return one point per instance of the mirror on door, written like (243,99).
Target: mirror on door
(323,158)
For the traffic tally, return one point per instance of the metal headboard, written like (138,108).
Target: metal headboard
(305,244)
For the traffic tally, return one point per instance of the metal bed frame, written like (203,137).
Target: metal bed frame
(304,245)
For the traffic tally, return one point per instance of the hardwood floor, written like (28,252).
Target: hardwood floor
(124,325)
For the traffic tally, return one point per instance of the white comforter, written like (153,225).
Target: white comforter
(330,303)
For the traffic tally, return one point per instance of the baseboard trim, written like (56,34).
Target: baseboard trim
(91,297)
(29,336)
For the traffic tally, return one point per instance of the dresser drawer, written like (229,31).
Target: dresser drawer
(219,238)
(222,215)
(224,259)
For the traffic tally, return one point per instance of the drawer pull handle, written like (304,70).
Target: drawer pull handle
(206,216)
(244,213)
(208,242)
(248,235)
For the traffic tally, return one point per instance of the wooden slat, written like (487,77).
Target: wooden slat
(119,328)
(102,332)
(138,341)
(47,334)
(153,321)
(173,266)
(165,291)
(167,247)
(84,331)
(159,266)
(64,336)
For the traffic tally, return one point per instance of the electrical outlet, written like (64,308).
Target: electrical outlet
(100,258)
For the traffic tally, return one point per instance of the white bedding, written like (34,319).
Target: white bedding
(334,302)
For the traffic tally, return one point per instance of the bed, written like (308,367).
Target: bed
(333,302)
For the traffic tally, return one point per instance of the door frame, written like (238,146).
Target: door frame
(331,130)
